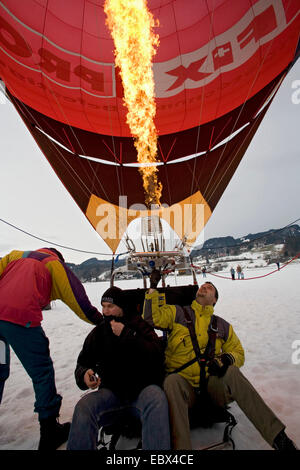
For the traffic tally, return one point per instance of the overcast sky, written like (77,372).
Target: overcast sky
(263,194)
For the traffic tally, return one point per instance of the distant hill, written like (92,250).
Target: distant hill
(289,238)
(92,268)
(281,236)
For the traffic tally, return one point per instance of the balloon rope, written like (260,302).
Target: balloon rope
(254,277)
(56,244)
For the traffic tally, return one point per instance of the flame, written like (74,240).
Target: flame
(131,25)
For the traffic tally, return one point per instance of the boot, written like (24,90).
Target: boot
(283,442)
(53,434)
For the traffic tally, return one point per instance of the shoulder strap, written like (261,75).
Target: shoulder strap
(200,357)
(209,352)
(212,335)
(192,332)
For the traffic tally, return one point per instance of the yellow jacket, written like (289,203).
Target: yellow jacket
(179,348)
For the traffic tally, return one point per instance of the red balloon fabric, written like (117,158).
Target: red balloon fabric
(218,66)
(57,57)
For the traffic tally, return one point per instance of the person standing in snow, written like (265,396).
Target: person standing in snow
(29,280)
(4,364)
(128,358)
(239,271)
(219,378)
(232,272)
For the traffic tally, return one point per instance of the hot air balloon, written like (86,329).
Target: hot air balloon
(217,68)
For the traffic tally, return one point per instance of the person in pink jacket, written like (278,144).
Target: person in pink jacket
(29,280)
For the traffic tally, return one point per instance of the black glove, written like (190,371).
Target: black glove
(155,277)
(219,365)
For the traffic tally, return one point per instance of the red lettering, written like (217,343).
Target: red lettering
(70,100)
(51,63)
(110,108)
(222,55)
(12,40)
(191,72)
(95,79)
(18,75)
(259,27)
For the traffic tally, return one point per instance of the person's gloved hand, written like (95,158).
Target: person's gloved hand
(155,277)
(219,365)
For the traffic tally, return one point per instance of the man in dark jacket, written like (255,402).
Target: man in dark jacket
(29,280)
(124,358)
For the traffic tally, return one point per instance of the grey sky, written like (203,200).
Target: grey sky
(263,194)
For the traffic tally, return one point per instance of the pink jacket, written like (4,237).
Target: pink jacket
(29,280)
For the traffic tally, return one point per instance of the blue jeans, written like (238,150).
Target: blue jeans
(103,407)
(4,364)
(32,348)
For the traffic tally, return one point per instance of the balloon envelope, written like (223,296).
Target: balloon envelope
(217,69)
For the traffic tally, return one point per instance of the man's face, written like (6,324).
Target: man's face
(206,294)
(113,310)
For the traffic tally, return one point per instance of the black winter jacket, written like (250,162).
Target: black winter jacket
(127,363)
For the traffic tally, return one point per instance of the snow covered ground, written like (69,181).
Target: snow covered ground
(255,258)
(265,313)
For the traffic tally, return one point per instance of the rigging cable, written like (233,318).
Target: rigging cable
(61,246)
(254,277)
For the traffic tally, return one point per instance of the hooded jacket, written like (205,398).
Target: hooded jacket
(125,364)
(179,348)
(29,280)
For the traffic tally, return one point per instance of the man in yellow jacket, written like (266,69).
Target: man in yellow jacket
(223,381)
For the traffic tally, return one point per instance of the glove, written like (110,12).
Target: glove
(219,365)
(155,277)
